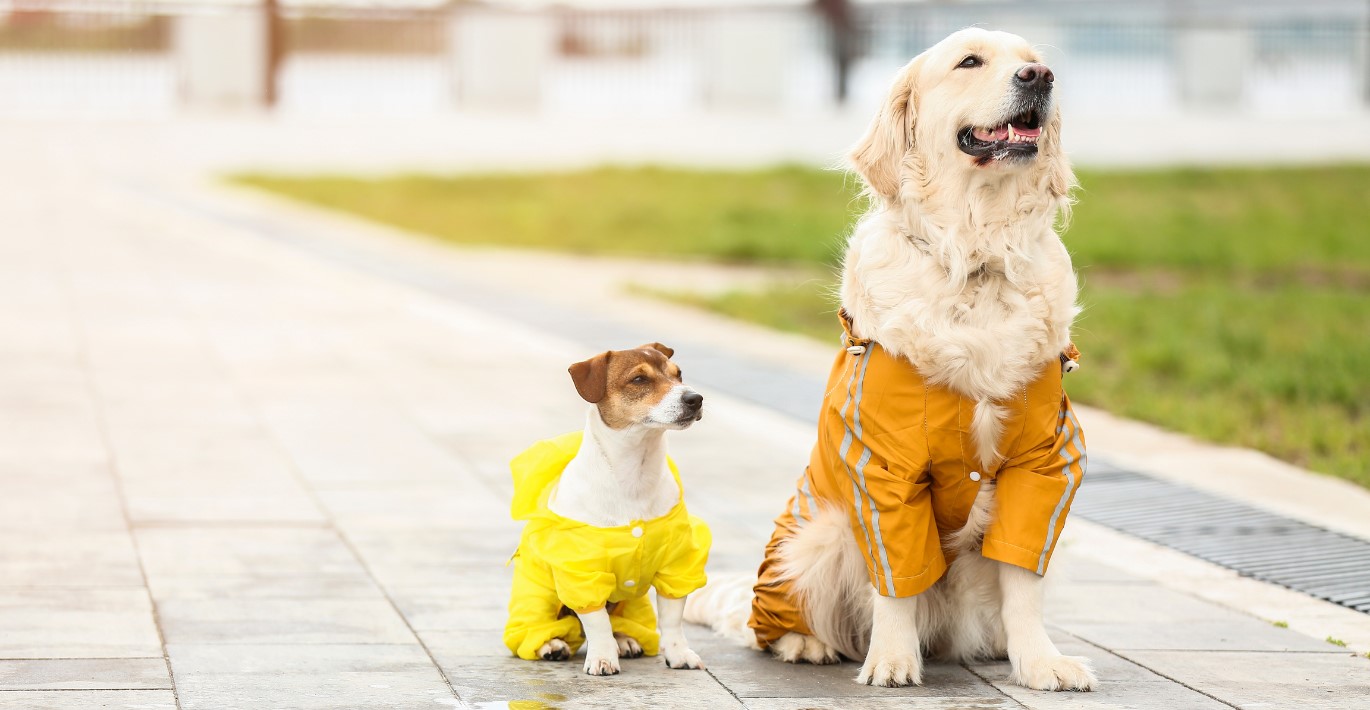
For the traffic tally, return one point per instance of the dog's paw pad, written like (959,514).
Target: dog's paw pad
(1055,673)
(892,671)
(554,650)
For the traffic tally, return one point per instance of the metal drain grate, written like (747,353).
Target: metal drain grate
(1253,542)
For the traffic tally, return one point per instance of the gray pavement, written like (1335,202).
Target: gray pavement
(237,475)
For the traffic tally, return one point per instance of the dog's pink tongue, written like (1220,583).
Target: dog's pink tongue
(997,134)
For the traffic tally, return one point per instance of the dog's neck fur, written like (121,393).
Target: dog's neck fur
(617,476)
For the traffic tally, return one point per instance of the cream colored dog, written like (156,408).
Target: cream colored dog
(957,267)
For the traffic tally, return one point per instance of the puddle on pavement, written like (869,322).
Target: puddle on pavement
(542,703)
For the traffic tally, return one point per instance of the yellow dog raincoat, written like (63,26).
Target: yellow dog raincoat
(564,566)
(897,454)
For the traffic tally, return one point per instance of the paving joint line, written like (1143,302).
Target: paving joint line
(253,407)
(1172,679)
(79,331)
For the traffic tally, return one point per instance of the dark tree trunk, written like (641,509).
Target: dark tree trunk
(839,17)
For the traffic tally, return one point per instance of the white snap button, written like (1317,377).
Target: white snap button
(630,583)
(974,475)
(637,532)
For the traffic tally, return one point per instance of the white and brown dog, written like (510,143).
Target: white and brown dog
(607,522)
(958,283)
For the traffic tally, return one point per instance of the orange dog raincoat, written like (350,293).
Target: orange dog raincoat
(897,454)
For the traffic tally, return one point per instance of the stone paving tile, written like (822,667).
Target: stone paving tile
(1326,681)
(457,608)
(68,559)
(88,700)
(1122,684)
(307,677)
(281,621)
(443,557)
(1106,664)
(1125,695)
(755,674)
(243,551)
(1215,635)
(50,496)
(84,674)
(488,682)
(250,499)
(358,441)
(487,643)
(88,622)
(414,506)
(57,423)
(899,703)
(247,588)
(1159,618)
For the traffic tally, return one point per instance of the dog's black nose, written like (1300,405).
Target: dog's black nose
(693,400)
(1035,76)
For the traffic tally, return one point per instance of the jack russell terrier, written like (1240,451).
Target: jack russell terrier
(606,520)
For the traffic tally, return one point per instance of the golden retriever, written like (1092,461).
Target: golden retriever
(957,268)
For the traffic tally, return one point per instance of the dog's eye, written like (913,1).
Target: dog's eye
(640,380)
(970,62)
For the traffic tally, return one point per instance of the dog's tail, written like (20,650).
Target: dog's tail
(724,605)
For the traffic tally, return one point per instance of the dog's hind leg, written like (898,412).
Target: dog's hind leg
(1036,662)
(829,587)
(796,647)
(554,650)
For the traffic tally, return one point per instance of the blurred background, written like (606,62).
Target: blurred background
(415,57)
(1222,148)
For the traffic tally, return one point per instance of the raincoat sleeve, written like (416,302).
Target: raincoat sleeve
(683,573)
(1035,490)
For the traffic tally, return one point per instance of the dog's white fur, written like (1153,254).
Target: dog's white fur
(618,476)
(958,268)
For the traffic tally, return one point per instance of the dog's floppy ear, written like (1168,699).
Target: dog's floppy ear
(668,352)
(878,155)
(592,377)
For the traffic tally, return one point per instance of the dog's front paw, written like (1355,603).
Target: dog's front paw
(596,664)
(681,657)
(1055,673)
(554,650)
(892,670)
(628,647)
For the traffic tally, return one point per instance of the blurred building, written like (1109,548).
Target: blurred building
(407,57)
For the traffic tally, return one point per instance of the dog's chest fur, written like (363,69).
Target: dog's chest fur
(981,321)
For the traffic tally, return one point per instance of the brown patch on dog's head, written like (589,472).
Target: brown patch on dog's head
(639,386)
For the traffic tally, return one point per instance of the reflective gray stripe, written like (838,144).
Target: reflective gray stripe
(1071,482)
(860,368)
(804,490)
(883,555)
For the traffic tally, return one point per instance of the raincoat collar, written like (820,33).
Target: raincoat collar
(537,470)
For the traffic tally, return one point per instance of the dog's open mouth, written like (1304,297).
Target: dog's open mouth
(1015,140)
